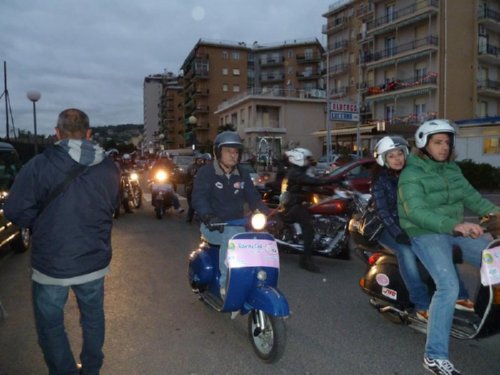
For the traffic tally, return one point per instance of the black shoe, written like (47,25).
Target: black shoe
(308,265)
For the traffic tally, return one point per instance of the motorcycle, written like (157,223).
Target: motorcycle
(330,216)
(383,283)
(253,269)
(130,192)
(162,193)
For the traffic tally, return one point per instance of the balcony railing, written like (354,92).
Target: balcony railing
(309,74)
(490,50)
(302,59)
(489,14)
(401,13)
(338,46)
(339,68)
(399,49)
(402,84)
(273,61)
(272,77)
(488,84)
(410,119)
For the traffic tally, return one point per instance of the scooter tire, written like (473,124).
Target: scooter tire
(269,344)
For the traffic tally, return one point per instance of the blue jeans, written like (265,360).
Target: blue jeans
(221,239)
(435,251)
(48,303)
(407,261)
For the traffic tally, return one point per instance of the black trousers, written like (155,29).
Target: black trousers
(299,214)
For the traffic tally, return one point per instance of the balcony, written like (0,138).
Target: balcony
(401,52)
(489,54)
(405,16)
(308,74)
(405,87)
(200,109)
(489,18)
(338,23)
(272,77)
(338,69)
(201,92)
(307,59)
(364,10)
(338,47)
(488,87)
(272,62)
(200,74)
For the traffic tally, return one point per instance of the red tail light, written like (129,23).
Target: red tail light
(373,258)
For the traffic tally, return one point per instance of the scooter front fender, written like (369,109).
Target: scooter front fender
(268,299)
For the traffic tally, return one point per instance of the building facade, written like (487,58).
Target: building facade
(215,72)
(271,122)
(413,60)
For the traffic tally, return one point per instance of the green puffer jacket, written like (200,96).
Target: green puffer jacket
(432,197)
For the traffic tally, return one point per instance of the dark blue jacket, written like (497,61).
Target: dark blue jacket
(385,193)
(72,235)
(224,196)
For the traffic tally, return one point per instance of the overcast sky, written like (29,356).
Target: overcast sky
(94,54)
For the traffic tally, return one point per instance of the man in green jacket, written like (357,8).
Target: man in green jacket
(432,196)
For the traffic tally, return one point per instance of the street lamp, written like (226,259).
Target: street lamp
(34,96)
(192,120)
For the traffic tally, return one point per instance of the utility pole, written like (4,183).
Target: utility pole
(6,93)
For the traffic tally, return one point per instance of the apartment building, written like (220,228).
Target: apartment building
(163,111)
(217,71)
(413,60)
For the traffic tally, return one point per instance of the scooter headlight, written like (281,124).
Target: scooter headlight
(161,176)
(259,221)
(134,176)
(261,275)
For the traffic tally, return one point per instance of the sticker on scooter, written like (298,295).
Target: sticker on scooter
(390,293)
(252,253)
(382,279)
(490,267)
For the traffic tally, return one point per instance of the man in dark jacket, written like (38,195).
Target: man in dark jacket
(297,180)
(220,193)
(67,196)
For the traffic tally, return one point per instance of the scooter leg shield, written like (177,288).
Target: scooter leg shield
(268,299)
(201,269)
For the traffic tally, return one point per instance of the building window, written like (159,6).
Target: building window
(224,71)
(389,113)
(235,55)
(224,87)
(308,53)
(390,12)
(225,55)
(420,114)
(390,46)
(236,72)
(236,88)
(491,145)
(290,53)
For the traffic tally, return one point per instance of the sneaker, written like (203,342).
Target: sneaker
(440,366)
(422,315)
(464,305)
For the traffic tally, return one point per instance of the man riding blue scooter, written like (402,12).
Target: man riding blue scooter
(220,192)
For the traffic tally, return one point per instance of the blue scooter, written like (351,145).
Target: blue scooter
(253,269)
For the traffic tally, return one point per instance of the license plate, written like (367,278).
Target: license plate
(162,187)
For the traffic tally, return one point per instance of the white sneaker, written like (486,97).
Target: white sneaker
(234,314)
(440,366)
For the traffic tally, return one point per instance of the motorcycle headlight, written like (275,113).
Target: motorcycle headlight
(161,176)
(134,176)
(258,221)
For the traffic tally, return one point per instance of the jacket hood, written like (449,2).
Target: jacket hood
(83,151)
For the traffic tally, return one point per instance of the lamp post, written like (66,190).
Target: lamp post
(34,96)
(192,120)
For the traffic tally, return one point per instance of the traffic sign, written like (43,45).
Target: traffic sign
(343,116)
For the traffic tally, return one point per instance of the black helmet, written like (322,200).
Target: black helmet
(228,139)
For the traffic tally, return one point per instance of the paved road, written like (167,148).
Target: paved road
(155,325)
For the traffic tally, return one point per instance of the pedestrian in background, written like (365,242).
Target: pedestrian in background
(67,197)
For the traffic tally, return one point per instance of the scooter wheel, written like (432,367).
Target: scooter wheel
(269,341)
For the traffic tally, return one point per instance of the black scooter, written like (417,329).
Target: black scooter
(382,282)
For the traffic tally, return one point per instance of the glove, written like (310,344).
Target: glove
(210,221)
(403,239)
(493,225)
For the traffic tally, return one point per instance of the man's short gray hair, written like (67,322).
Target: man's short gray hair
(73,123)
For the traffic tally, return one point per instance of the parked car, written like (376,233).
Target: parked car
(19,239)
(356,174)
(325,165)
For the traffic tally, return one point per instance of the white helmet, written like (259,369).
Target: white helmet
(298,156)
(126,157)
(433,127)
(387,144)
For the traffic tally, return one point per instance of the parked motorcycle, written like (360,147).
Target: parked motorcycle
(383,283)
(330,215)
(253,269)
(162,192)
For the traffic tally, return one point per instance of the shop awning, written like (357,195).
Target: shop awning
(364,129)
